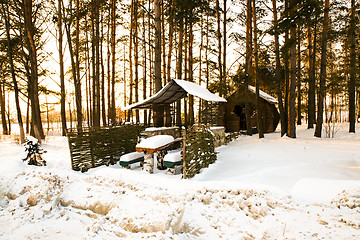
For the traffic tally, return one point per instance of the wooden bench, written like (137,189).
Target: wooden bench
(134,157)
(173,162)
(173,159)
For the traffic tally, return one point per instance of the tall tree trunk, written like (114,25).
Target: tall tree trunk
(158,110)
(248,61)
(2,109)
(224,52)
(77,81)
(37,129)
(103,108)
(221,82)
(298,75)
(324,41)
(163,51)
(179,68)
(292,88)
(96,41)
(62,74)
(286,70)
(311,77)
(257,79)
(88,77)
(352,82)
(150,58)
(168,65)
(200,65)
(75,75)
(136,55)
(278,72)
(186,72)
(6,14)
(124,77)
(130,58)
(145,64)
(191,74)
(171,37)
(27,116)
(207,76)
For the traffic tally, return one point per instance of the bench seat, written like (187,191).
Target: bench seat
(173,159)
(130,158)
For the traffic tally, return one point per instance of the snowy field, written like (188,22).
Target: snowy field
(272,188)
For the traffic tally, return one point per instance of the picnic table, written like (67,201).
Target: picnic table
(155,144)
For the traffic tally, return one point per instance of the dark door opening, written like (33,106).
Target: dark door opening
(239,111)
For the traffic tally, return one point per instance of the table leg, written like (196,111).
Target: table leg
(148,162)
(160,159)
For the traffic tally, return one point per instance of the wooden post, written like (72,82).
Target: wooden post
(184,152)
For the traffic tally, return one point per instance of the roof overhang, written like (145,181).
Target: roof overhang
(173,91)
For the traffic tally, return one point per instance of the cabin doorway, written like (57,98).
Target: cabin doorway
(239,111)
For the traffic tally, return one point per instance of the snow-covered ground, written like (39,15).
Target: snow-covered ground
(272,188)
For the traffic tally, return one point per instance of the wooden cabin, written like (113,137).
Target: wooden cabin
(233,111)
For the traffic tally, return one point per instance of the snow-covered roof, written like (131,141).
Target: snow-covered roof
(174,91)
(264,95)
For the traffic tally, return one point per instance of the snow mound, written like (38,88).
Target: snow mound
(311,190)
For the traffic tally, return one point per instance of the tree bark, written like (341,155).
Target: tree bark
(77,81)
(75,75)
(96,42)
(171,37)
(33,86)
(145,65)
(298,76)
(311,76)
(130,58)
(221,82)
(103,108)
(179,68)
(352,82)
(158,110)
(62,73)
(113,61)
(256,76)
(324,41)
(248,60)
(5,11)
(224,52)
(292,88)
(278,71)
(2,109)
(191,74)
(136,56)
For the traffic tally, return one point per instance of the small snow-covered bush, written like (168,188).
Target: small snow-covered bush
(34,152)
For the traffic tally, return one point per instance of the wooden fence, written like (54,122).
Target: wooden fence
(101,146)
(199,150)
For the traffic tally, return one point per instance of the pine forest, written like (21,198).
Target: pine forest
(74,64)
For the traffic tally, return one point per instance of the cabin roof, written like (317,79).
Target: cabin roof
(173,91)
(263,95)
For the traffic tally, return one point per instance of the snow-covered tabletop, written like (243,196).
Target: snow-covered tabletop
(154,143)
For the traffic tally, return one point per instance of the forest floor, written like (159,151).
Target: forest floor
(271,188)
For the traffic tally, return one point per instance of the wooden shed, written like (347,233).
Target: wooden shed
(233,111)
